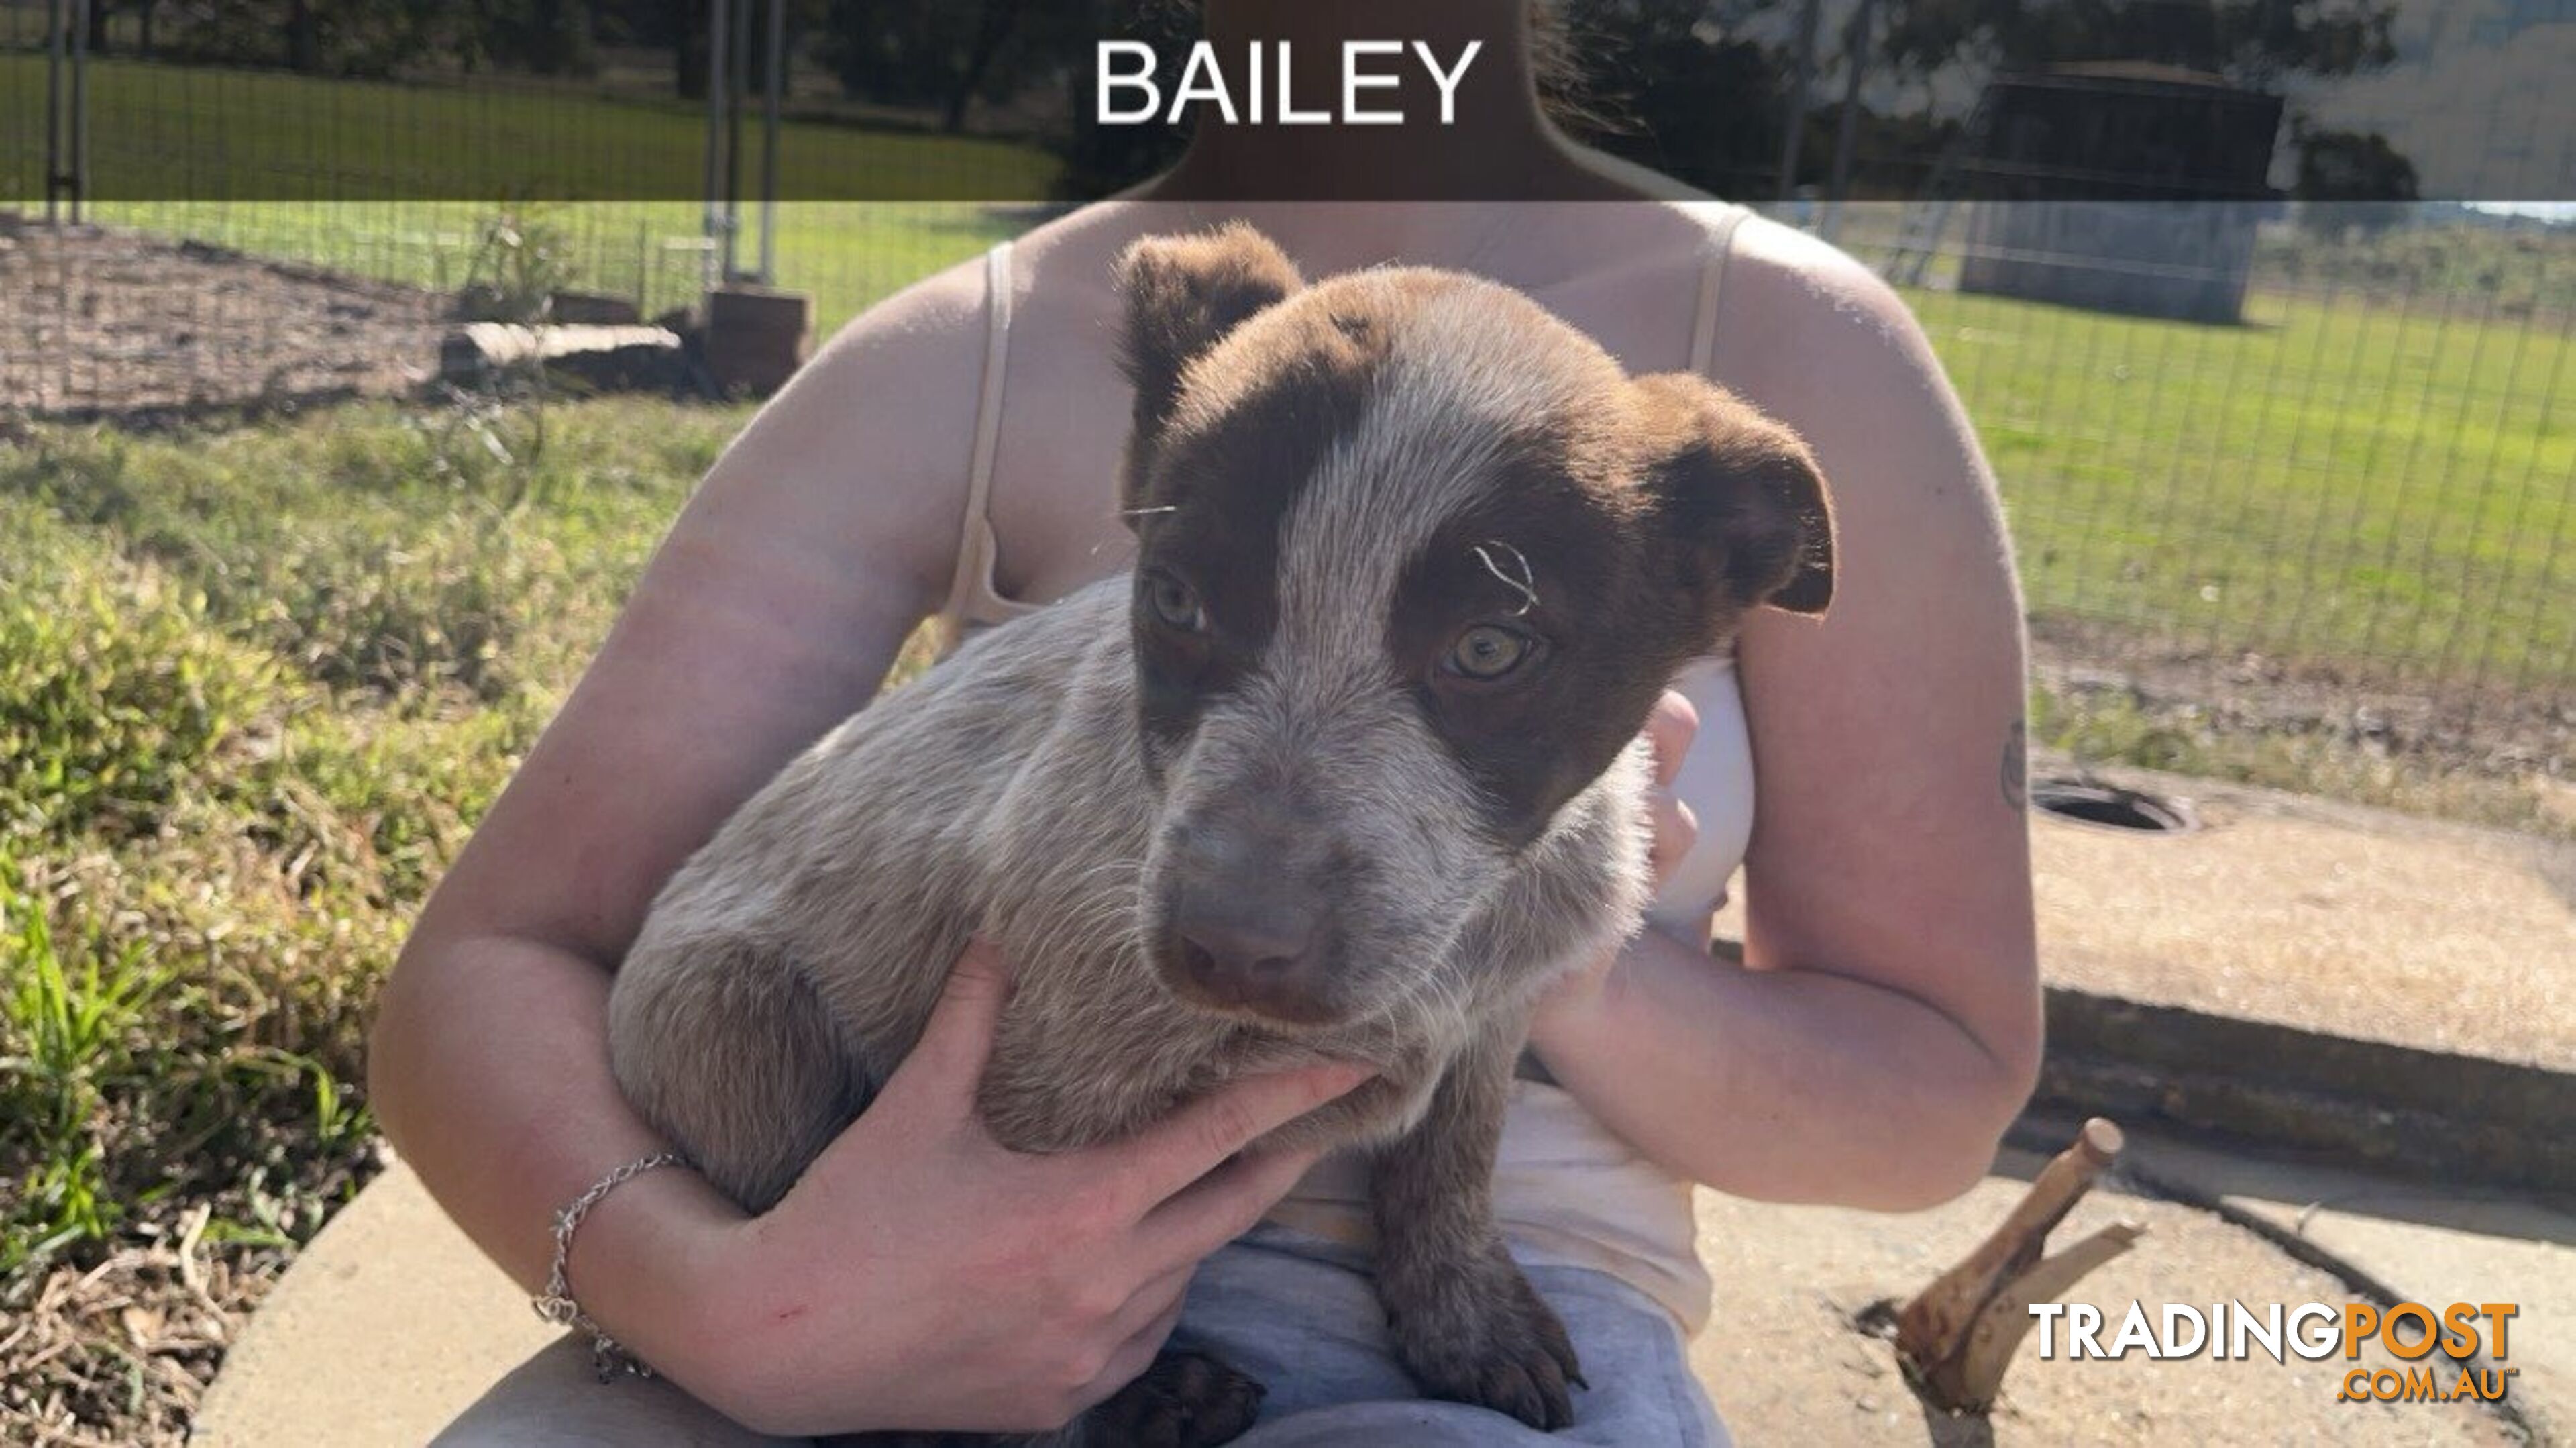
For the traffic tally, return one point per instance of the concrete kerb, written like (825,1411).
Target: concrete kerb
(2396,1109)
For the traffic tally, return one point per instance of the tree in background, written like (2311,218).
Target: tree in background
(676,26)
(1673,86)
(944,55)
(541,37)
(1097,159)
(2252,43)
(2350,180)
(375,38)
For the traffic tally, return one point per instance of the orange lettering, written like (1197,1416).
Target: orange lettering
(2423,1342)
(2461,1342)
(2499,1313)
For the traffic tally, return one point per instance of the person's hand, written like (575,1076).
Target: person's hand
(1669,731)
(920,1276)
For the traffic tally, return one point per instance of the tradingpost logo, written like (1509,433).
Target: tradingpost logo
(2439,1349)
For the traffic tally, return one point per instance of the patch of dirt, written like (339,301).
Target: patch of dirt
(113,1344)
(97,323)
(2476,726)
(120,1352)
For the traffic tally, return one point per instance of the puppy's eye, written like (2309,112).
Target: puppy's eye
(1487,651)
(1174,604)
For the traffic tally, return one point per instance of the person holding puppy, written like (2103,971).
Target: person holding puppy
(950,454)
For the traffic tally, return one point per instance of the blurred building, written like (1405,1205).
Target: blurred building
(2119,187)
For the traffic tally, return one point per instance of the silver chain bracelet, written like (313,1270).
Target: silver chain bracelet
(556,1304)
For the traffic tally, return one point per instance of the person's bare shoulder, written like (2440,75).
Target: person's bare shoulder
(1823,311)
(869,443)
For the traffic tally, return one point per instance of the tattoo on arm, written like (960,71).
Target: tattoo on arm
(2016,767)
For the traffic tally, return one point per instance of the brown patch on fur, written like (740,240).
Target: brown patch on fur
(1258,413)
(1183,295)
(1744,490)
(1649,519)
(1604,644)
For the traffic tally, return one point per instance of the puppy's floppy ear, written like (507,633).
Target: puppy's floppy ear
(1183,295)
(1742,496)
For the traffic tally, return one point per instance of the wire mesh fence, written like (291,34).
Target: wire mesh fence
(2308,467)
(2362,488)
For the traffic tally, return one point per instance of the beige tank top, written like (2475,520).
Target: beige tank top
(1568,1190)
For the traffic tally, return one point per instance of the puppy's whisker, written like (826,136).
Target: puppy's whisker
(1526,584)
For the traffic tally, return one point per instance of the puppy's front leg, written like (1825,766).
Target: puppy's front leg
(1467,1323)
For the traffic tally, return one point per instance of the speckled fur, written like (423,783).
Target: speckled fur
(791,964)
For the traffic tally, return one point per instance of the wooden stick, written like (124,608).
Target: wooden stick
(1958,1334)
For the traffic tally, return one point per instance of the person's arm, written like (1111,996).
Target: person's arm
(771,612)
(1885,1027)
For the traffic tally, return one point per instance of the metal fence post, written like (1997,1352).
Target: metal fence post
(771,90)
(719,224)
(741,83)
(54,10)
(1856,44)
(1796,125)
(80,106)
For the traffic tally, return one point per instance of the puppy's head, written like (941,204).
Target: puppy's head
(1415,560)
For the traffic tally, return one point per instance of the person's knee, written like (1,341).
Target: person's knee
(556,1400)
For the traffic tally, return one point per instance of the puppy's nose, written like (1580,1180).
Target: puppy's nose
(1251,955)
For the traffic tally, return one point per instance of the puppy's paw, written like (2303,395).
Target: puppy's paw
(1486,1337)
(1185,1400)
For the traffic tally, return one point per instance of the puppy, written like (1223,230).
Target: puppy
(1347,766)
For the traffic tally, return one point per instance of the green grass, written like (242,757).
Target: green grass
(2337,483)
(2374,475)
(255,687)
(170,130)
(257,684)
(845,254)
(267,163)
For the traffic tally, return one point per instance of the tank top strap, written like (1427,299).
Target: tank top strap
(1712,279)
(972,597)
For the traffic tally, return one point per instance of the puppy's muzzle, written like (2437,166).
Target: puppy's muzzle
(1245,930)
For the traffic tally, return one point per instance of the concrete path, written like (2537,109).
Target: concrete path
(2324,922)
(385,1328)
(391,1322)
(2351,922)
(1789,1363)
(2332,918)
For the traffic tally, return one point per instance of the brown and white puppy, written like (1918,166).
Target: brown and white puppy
(1348,766)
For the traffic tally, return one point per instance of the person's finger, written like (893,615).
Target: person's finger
(1155,1302)
(1136,1353)
(1670,728)
(1220,1206)
(1676,830)
(948,1062)
(1194,1140)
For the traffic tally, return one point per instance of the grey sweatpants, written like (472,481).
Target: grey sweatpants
(1298,1313)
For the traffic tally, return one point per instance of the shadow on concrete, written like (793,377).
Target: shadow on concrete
(2205,1172)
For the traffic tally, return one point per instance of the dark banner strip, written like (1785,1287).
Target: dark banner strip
(2356,101)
